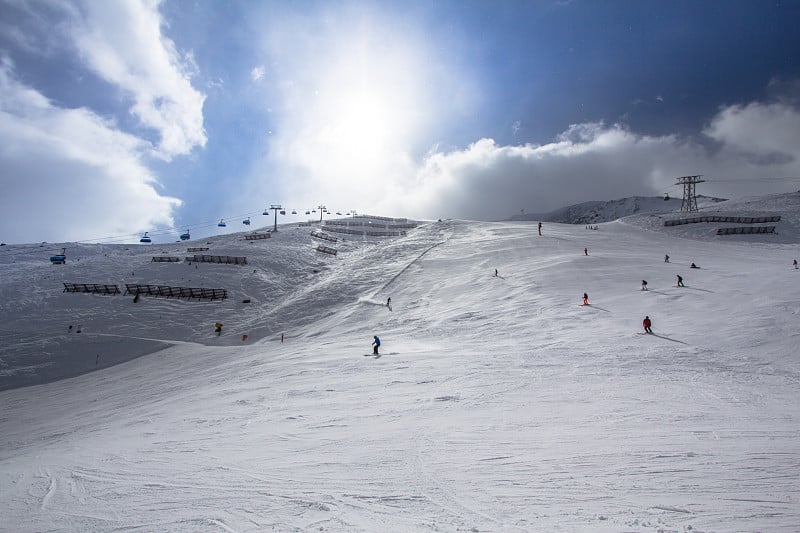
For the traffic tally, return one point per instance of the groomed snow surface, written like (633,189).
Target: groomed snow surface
(496,404)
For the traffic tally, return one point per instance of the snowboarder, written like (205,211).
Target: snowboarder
(644,285)
(680,281)
(693,266)
(375,344)
(666,258)
(585,251)
(540,229)
(585,299)
(646,323)
(218,328)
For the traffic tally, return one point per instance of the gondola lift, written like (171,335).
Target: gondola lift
(145,238)
(294,211)
(222,223)
(246,221)
(185,236)
(59,259)
(283,211)
(266,212)
(308,212)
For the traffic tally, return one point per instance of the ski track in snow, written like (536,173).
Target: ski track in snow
(499,404)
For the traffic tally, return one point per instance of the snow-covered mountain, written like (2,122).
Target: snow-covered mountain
(597,212)
(497,403)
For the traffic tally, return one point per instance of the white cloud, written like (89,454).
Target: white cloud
(122,42)
(598,162)
(257,73)
(72,167)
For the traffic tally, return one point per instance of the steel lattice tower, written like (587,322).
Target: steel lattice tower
(689,202)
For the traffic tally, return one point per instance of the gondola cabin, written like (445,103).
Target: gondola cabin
(222,223)
(59,259)
(266,212)
(294,212)
(246,222)
(145,239)
(185,236)
(283,211)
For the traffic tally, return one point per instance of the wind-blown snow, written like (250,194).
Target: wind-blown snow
(497,403)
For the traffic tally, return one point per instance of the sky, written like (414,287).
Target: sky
(138,115)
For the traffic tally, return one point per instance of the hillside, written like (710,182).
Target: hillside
(497,403)
(597,211)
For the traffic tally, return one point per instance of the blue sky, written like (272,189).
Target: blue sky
(135,115)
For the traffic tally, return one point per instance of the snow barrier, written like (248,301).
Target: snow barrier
(197,249)
(221,259)
(320,235)
(257,236)
(327,250)
(735,220)
(176,292)
(166,259)
(91,288)
(741,230)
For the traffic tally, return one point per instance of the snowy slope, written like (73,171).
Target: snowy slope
(597,211)
(497,404)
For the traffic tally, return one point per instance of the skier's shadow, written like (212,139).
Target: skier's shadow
(696,289)
(668,339)
(592,306)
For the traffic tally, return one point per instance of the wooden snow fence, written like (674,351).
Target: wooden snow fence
(176,292)
(734,220)
(742,230)
(327,250)
(220,259)
(166,259)
(91,288)
(196,250)
(323,236)
(257,236)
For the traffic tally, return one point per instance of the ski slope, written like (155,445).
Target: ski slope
(497,403)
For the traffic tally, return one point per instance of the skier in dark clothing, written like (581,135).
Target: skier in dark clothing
(644,285)
(375,344)
(646,323)
(680,281)
(218,328)
(693,266)
(540,229)
(585,251)
(666,258)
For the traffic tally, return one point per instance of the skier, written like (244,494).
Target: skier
(644,285)
(540,229)
(375,344)
(666,258)
(680,281)
(585,251)
(795,264)
(218,328)
(693,266)
(495,272)
(646,323)
(389,302)
(585,299)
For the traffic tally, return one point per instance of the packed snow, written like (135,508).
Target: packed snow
(496,403)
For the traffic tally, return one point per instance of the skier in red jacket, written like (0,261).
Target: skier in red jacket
(646,323)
